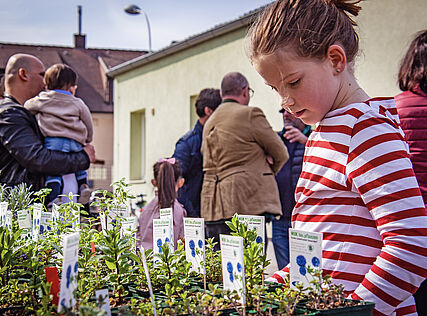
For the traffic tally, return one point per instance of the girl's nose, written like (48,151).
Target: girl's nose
(287,101)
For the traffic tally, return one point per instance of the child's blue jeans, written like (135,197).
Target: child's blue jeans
(65,145)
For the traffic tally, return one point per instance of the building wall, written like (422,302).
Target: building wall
(101,173)
(386,28)
(163,89)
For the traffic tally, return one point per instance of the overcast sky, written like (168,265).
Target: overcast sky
(106,25)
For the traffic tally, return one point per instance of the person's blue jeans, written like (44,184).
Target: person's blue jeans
(65,145)
(281,241)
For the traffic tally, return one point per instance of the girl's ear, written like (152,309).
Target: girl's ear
(337,58)
(180,183)
(154,182)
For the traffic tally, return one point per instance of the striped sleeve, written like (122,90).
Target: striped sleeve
(379,169)
(279,276)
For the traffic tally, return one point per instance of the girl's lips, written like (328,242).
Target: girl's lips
(299,113)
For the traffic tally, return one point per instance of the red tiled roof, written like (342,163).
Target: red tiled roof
(92,87)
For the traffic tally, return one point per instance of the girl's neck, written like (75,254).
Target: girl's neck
(349,92)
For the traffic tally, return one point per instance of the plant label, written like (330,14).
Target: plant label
(9,216)
(3,211)
(70,268)
(194,235)
(109,221)
(37,214)
(76,217)
(257,222)
(45,222)
(128,227)
(24,222)
(55,213)
(233,268)
(162,233)
(147,275)
(305,249)
(103,299)
(168,213)
(121,211)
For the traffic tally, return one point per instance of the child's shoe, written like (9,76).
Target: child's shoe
(84,194)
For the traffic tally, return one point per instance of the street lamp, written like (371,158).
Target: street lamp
(135,10)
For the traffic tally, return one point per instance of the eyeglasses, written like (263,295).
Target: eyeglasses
(251,92)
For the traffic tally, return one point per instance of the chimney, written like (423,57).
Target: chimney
(79,39)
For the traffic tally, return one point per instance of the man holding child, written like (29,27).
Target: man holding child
(23,157)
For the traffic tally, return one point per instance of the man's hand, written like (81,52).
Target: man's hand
(90,151)
(293,134)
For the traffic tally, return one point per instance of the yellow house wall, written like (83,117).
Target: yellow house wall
(163,88)
(103,142)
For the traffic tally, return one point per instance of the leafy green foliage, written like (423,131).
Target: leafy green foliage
(254,256)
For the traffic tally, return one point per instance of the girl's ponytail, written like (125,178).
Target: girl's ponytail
(166,185)
(166,172)
(348,7)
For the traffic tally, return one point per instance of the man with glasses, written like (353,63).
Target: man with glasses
(241,154)
(23,158)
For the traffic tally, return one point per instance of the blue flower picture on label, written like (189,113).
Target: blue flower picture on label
(239,267)
(315,261)
(229,267)
(191,244)
(302,270)
(301,261)
(68,275)
(259,240)
(200,244)
(159,245)
(76,267)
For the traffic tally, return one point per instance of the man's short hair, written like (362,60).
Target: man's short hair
(60,76)
(207,98)
(233,83)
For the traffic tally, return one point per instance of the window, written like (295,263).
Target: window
(137,145)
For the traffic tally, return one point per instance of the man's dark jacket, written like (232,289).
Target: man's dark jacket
(23,157)
(187,151)
(288,176)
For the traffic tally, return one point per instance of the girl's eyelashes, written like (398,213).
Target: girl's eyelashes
(294,83)
(273,88)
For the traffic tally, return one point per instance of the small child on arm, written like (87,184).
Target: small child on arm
(65,122)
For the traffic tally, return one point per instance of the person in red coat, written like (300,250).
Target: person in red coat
(412,109)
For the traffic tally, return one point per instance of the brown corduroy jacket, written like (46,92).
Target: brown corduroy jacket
(236,142)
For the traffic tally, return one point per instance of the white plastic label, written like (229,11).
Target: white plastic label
(162,234)
(69,271)
(233,268)
(305,249)
(194,234)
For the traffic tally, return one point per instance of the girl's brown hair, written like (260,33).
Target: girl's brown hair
(413,68)
(166,175)
(308,26)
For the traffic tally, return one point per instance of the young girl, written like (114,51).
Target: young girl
(357,185)
(167,180)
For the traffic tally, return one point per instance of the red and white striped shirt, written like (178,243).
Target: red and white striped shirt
(358,188)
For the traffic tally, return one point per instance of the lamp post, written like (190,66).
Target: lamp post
(135,10)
